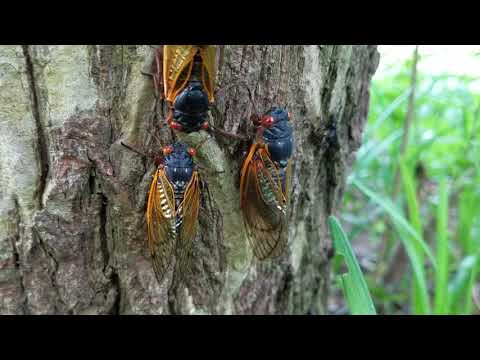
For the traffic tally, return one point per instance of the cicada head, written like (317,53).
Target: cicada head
(278,135)
(179,164)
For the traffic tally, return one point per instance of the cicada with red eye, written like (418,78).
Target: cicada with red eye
(264,183)
(185,77)
(172,207)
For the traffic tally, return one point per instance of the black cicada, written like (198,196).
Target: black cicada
(172,208)
(185,75)
(174,200)
(264,183)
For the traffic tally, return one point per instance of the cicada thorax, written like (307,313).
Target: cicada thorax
(189,85)
(173,205)
(265,181)
(278,138)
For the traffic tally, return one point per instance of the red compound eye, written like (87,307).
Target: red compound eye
(176,126)
(192,152)
(205,125)
(167,150)
(268,121)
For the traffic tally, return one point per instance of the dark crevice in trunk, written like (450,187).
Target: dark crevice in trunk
(49,254)
(103,230)
(115,279)
(331,147)
(42,139)
(330,80)
(16,256)
(108,268)
(91,182)
(283,293)
(171,305)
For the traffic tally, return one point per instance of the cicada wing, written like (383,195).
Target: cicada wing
(271,181)
(288,181)
(259,191)
(208,54)
(177,67)
(188,210)
(161,223)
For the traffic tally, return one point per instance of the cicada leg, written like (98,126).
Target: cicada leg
(228,134)
(157,76)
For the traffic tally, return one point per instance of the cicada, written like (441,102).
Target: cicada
(185,76)
(264,183)
(172,208)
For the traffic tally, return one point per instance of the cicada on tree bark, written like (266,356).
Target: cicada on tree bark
(185,78)
(265,181)
(173,207)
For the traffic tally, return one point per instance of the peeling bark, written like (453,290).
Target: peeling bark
(72,200)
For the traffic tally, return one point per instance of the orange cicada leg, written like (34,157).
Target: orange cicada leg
(157,76)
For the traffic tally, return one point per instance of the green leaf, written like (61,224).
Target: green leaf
(353,283)
(441,281)
(398,219)
(422,305)
(419,292)
(467,213)
(414,245)
(460,288)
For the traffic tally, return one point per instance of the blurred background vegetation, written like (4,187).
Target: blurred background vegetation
(411,209)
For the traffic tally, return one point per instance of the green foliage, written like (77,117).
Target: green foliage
(435,217)
(353,283)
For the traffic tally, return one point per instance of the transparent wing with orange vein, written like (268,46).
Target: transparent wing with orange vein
(288,181)
(177,67)
(270,171)
(209,70)
(189,208)
(265,223)
(161,223)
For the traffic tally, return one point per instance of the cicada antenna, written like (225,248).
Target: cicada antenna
(159,141)
(227,134)
(244,83)
(133,149)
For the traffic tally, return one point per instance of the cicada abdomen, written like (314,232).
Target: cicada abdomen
(264,184)
(172,209)
(189,84)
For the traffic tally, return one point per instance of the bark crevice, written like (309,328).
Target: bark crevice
(48,252)
(16,257)
(41,135)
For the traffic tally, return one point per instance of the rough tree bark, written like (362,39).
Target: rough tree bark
(72,200)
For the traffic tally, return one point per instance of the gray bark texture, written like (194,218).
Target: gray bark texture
(72,199)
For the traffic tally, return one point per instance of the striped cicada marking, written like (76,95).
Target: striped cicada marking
(172,209)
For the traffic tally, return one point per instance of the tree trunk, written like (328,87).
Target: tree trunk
(72,199)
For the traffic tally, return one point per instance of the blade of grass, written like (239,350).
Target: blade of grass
(353,283)
(412,242)
(422,306)
(397,218)
(441,281)
(373,150)
(409,188)
(471,285)
(389,110)
(460,288)
(466,209)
